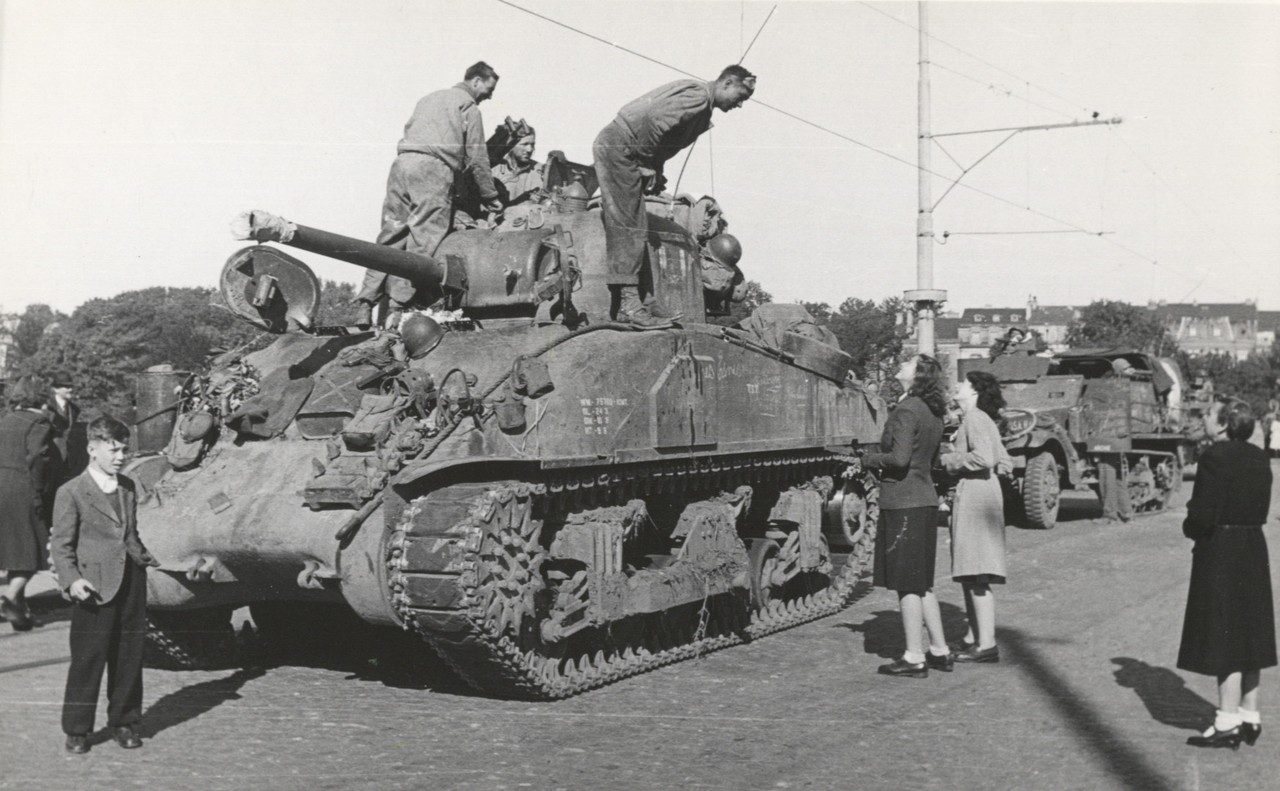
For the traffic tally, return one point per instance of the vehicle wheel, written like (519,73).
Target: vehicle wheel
(1040,490)
(190,640)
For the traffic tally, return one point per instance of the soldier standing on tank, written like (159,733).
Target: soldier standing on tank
(443,140)
(629,155)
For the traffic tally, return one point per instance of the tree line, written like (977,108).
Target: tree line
(104,343)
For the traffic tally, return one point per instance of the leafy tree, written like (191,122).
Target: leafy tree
(1114,323)
(1254,380)
(335,304)
(756,296)
(868,332)
(31,326)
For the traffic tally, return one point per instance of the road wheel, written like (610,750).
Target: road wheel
(1040,490)
(190,639)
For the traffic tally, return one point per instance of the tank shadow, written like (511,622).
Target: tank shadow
(188,703)
(1164,693)
(882,632)
(387,656)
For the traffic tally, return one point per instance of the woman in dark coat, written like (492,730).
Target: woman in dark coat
(1229,630)
(25,451)
(907,538)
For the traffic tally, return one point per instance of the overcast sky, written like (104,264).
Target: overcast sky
(131,131)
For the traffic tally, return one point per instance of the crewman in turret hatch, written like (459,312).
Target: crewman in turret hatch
(629,156)
(443,142)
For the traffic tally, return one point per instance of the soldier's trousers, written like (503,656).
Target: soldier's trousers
(626,225)
(416,215)
(107,637)
(1113,489)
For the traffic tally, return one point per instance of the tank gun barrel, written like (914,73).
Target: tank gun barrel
(430,276)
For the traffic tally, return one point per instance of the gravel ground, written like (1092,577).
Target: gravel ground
(1086,697)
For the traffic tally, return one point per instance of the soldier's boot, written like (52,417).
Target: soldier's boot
(364,311)
(632,310)
(657,312)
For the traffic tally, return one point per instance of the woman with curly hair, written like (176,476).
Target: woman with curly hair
(26,442)
(1230,629)
(977,519)
(907,539)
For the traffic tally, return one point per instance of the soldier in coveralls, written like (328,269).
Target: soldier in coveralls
(443,139)
(629,155)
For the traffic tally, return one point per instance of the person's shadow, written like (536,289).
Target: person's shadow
(1164,693)
(882,632)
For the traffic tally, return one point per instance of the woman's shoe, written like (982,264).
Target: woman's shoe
(945,663)
(1250,732)
(1216,738)
(20,621)
(979,655)
(901,667)
(960,645)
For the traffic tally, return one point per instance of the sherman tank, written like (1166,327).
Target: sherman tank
(552,500)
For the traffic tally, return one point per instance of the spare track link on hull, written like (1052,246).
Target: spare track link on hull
(464,575)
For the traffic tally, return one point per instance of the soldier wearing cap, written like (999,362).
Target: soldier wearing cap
(443,143)
(629,156)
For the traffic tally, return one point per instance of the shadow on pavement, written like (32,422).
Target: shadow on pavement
(882,632)
(1164,693)
(190,702)
(1110,749)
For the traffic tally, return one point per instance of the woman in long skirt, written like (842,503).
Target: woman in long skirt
(977,520)
(907,536)
(1229,629)
(25,447)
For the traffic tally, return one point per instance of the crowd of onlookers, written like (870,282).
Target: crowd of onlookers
(42,445)
(1229,625)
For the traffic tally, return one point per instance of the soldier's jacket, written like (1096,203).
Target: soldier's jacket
(447,125)
(667,119)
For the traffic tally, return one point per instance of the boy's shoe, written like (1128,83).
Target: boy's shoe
(127,737)
(77,744)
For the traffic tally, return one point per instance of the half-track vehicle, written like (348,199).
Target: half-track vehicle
(1067,413)
(553,501)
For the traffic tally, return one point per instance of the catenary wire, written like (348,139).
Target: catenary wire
(859,143)
(977,58)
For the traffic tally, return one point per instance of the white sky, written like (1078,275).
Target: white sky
(131,131)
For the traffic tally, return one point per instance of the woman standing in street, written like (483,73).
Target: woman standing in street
(907,539)
(25,447)
(1229,629)
(977,521)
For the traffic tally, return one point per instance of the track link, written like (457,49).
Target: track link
(463,569)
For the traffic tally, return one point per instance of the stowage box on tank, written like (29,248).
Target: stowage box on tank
(553,501)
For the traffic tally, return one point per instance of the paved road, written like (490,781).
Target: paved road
(1086,698)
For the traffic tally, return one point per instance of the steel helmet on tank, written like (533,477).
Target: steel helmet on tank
(725,248)
(421,334)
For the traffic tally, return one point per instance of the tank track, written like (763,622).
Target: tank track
(191,640)
(484,563)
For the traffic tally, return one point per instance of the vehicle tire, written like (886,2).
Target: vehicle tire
(1040,491)
(190,640)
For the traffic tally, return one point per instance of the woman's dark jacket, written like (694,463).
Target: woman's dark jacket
(908,449)
(1233,487)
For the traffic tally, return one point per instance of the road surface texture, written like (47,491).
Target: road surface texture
(1086,697)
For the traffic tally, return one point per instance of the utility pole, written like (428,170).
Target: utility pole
(924,296)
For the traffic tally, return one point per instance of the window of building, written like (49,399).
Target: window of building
(995,318)
(1191,332)
(975,338)
(1217,331)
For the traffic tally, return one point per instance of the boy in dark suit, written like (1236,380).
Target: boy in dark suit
(102,566)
